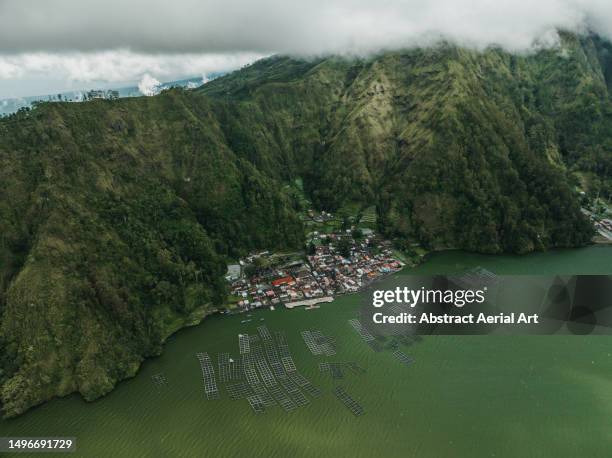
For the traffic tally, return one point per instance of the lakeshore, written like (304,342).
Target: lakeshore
(338,263)
(546,385)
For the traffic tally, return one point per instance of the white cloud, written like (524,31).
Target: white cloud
(110,41)
(9,70)
(268,26)
(118,66)
(149,85)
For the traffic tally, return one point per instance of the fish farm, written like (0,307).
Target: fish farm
(403,357)
(208,376)
(337,370)
(367,337)
(348,401)
(319,344)
(159,380)
(265,374)
(377,346)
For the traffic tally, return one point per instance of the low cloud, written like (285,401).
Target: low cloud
(298,27)
(75,42)
(149,85)
(79,69)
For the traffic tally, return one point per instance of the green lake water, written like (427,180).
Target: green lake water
(468,396)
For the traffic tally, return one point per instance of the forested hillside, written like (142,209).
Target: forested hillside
(117,217)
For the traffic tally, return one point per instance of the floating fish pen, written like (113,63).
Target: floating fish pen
(280,338)
(264,332)
(304,384)
(256,352)
(298,379)
(239,391)
(361,330)
(318,344)
(268,373)
(356,368)
(286,359)
(296,395)
(253,380)
(282,398)
(398,309)
(253,338)
(274,360)
(289,364)
(409,340)
(403,357)
(310,343)
(291,369)
(244,344)
(336,369)
(263,394)
(256,403)
(375,345)
(311,390)
(159,380)
(315,342)
(208,375)
(249,369)
(474,279)
(348,401)
(326,344)
(224,367)
(235,368)
(283,350)
(265,372)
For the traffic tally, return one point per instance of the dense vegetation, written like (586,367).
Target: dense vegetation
(115,222)
(117,217)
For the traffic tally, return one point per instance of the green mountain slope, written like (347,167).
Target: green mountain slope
(117,217)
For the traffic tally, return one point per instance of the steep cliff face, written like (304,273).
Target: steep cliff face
(116,218)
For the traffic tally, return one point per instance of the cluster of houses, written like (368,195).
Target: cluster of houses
(367,259)
(321,217)
(276,286)
(325,273)
(602,225)
(606,224)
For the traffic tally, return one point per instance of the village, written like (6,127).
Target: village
(600,215)
(338,262)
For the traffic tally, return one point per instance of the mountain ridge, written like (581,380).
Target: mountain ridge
(117,217)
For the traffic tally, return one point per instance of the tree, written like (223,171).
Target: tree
(344,247)
(250,270)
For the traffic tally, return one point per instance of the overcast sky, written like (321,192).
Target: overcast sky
(52,45)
